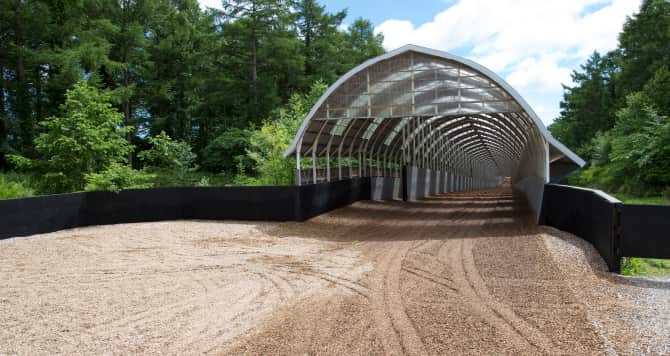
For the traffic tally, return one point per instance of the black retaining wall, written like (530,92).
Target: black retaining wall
(615,229)
(317,199)
(586,214)
(645,230)
(27,216)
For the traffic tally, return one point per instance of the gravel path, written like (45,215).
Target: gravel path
(462,273)
(156,288)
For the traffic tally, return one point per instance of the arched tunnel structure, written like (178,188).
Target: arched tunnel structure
(419,122)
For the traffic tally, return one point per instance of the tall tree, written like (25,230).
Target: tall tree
(588,106)
(322,41)
(644,45)
(362,41)
(262,34)
(23,25)
(179,47)
(129,59)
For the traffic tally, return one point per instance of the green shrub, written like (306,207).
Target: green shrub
(203,182)
(87,138)
(244,180)
(666,193)
(267,144)
(659,263)
(13,185)
(118,177)
(227,152)
(168,153)
(632,266)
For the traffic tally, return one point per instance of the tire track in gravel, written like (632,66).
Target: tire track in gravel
(397,330)
(427,289)
(329,278)
(473,289)
(398,333)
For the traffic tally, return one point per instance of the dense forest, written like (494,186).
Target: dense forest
(109,94)
(617,114)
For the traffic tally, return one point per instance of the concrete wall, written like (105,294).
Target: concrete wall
(386,188)
(424,182)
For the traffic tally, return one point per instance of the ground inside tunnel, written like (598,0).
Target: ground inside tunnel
(460,273)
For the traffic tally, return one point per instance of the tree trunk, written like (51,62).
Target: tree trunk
(3,127)
(126,116)
(254,65)
(21,94)
(38,95)
(254,78)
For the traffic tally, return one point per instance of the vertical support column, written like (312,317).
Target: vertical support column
(547,166)
(405,183)
(328,165)
(339,163)
(297,163)
(314,164)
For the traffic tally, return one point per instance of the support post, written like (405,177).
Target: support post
(297,163)
(314,165)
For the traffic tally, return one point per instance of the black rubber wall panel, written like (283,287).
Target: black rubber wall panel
(21,217)
(317,199)
(586,214)
(645,231)
(27,216)
(216,203)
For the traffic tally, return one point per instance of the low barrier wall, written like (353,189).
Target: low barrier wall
(615,229)
(386,188)
(27,216)
(424,182)
(587,213)
(645,230)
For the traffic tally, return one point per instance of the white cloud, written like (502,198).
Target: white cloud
(344,27)
(528,42)
(541,75)
(216,4)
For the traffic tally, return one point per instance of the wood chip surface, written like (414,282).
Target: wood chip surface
(465,273)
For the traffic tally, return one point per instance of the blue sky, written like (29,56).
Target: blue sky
(378,11)
(533,44)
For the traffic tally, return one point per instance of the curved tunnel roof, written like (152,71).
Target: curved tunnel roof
(432,103)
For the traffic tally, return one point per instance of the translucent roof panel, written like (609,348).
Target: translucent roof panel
(431,103)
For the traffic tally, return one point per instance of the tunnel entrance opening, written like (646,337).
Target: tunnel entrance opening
(421,122)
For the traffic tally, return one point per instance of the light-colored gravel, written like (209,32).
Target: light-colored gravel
(155,288)
(457,274)
(632,314)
